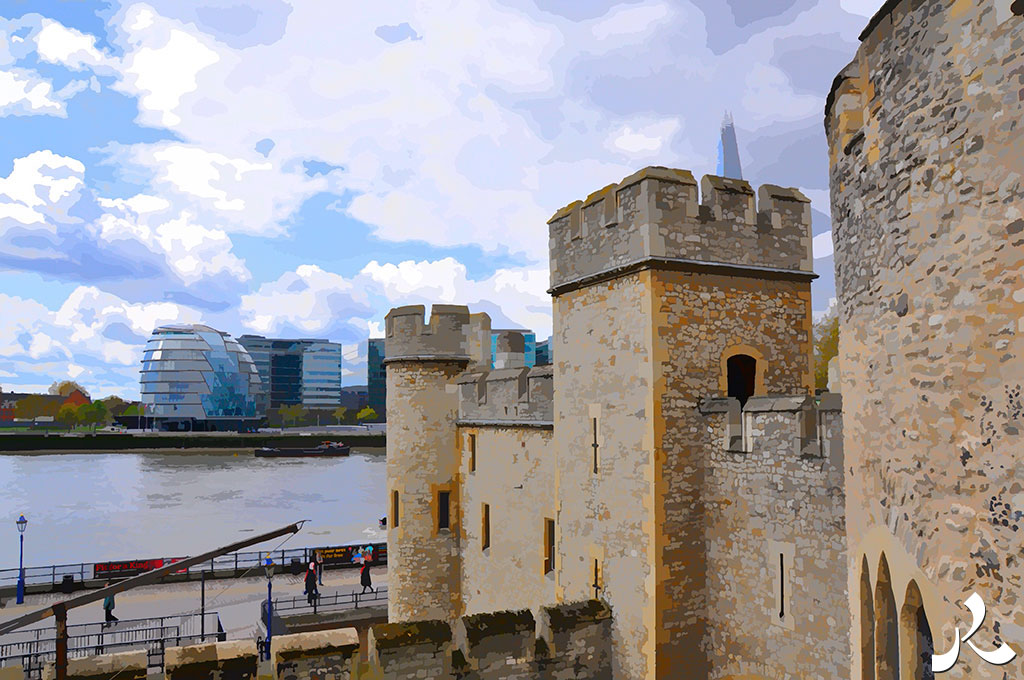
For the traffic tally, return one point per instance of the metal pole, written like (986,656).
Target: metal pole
(202,607)
(270,620)
(61,615)
(21,571)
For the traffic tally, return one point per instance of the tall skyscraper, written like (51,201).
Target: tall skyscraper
(728,151)
(302,371)
(376,378)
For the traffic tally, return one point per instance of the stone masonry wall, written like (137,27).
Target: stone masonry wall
(234,660)
(511,394)
(777,501)
(515,477)
(422,459)
(698,320)
(924,131)
(656,213)
(602,349)
(316,655)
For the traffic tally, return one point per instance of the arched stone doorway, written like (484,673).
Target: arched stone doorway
(867,624)
(915,637)
(887,630)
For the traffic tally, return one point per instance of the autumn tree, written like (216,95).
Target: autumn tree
(826,346)
(65,387)
(340,413)
(367,415)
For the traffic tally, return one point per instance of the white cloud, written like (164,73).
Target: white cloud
(24,92)
(630,21)
(865,8)
(646,140)
(822,245)
(59,44)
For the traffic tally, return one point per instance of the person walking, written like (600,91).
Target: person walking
(108,607)
(364,573)
(319,567)
(311,590)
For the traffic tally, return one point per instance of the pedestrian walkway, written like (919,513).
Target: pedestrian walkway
(237,600)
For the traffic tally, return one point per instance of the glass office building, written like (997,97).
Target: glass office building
(297,371)
(529,340)
(376,378)
(195,377)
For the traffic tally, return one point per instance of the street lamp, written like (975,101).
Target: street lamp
(268,566)
(22,523)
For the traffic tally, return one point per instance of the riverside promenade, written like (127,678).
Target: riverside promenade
(237,600)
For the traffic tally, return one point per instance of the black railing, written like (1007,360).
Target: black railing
(301,605)
(32,649)
(55,575)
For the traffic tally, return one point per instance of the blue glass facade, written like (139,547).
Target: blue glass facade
(529,344)
(300,371)
(376,377)
(198,375)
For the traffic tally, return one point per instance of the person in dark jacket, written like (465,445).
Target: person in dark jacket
(364,573)
(108,607)
(311,590)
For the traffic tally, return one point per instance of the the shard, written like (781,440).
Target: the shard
(728,151)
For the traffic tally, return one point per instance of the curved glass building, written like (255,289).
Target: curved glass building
(196,377)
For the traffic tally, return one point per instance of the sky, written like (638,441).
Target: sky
(297,169)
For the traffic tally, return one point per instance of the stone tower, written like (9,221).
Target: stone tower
(660,300)
(422,460)
(924,133)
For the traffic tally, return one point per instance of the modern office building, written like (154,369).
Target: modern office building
(544,354)
(529,338)
(376,378)
(296,371)
(195,377)
(729,151)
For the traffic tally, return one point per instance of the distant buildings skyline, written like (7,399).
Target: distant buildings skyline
(306,371)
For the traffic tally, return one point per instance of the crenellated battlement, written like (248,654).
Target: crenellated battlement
(657,213)
(445,336)
(801,425)
(514,395)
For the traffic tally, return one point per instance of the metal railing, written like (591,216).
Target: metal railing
(33,648)
(300,605)
(54,575)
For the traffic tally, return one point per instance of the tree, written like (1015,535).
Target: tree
(293,414)
(36,405)
(826,346)
(65,387)
(339,413)
(132,410)
(67,416)
(367,414)
(116,406)
(100,414)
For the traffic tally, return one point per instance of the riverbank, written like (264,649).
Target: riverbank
(198,442)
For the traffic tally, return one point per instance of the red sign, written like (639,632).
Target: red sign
(126,568)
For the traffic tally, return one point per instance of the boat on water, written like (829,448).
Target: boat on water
(324,450)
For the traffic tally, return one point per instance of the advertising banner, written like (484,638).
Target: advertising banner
(125,568)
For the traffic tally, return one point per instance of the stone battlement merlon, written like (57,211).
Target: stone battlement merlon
(444,337)
(815,423)
(513,395)
(657,213)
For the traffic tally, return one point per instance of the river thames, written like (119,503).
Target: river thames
(96,507)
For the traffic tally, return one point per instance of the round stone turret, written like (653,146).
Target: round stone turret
(510,350)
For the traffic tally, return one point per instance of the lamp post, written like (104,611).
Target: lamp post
(22,523)
(268,566)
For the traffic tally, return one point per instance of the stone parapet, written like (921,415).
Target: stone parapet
(507,395)
(656,214)
(446,336)
(330,653)
(212,661)
(128,665)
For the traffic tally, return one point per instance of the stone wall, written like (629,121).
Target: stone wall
(420,649)
(314,656)
(129,665)
(510,395)
(234,660)
(515,477)
(656,213)
(776,540)
(927,194)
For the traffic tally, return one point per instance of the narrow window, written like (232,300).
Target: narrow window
(742,374)
(782,588)
(486,531)
(549,545)
(442,509)
(472,453)
(597,578)
(394,509)
(594,444)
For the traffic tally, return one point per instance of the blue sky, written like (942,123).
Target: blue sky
(296,169)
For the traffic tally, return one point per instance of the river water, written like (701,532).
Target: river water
(97,507)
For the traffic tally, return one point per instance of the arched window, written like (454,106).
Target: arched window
(867,624)
(915,637)
(741,373)
(887,644)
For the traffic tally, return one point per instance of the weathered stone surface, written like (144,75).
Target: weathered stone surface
(309,656)
(926,175)
(211,661)
(130,665)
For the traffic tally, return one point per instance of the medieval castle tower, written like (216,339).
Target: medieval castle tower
(927,163)
(672,476)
